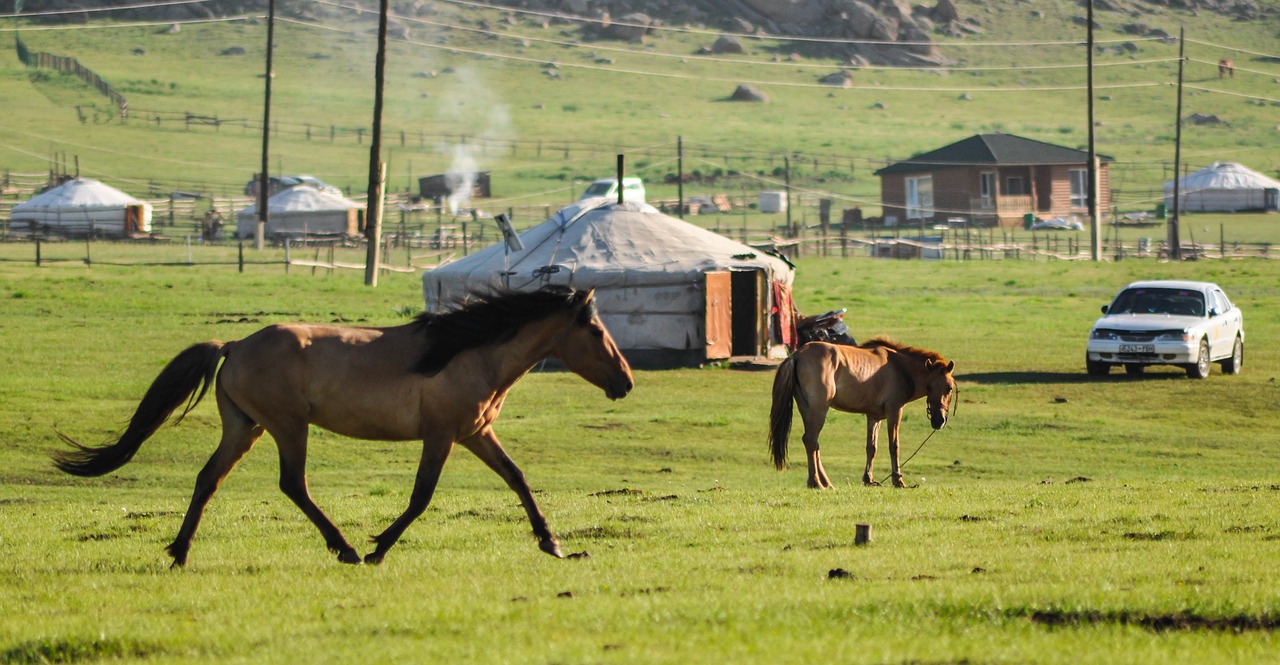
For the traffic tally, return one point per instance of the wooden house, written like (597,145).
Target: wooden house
(991,179)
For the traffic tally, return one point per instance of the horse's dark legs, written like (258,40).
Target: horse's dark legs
(485,446)
(873,433)
(239,433)
(813,424)
(434,454)
(895,422)
(291,440)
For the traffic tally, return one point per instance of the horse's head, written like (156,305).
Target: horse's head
(588,350)
(940,387)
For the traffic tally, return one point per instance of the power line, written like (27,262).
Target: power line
(1234,48)
(143,24)
(692,77)
(94,10)
(741,61)
(1233,94)
(786,38)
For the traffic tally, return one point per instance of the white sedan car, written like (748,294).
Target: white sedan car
(1188,324)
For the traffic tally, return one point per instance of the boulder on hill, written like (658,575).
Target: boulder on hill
(746,93)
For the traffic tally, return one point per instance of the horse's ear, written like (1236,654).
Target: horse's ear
(950,366)
(585,296)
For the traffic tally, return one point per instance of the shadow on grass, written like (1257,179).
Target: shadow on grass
(1013,378)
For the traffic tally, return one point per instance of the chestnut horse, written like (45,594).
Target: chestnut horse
(441,379)
(877,379)
(1226,68)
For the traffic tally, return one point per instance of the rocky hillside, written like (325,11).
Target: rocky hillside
(901,32)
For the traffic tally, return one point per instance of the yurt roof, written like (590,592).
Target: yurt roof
(1225,175)
(303,198)
(78,194)
(606,244)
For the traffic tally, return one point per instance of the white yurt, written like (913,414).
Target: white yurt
(671,293)
(1224,187)
(81,206)
(302,211)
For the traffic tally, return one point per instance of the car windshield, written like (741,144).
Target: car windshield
(1182,302)
(598,189)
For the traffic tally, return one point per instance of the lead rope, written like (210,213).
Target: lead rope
(929,411)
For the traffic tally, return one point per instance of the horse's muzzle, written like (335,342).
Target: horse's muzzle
(618,387)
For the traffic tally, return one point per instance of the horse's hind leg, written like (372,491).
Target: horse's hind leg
(873,433)
(485,446)
(814,420)
(434,454)
(239,433)
(291,440)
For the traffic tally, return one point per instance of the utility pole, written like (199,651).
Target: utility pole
(680,176)
(373,214)
(1095,221)
(263,181)
(1173,239)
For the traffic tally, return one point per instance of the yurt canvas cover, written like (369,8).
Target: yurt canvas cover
(302,211)
(79,207)
(1224,187)
(670,292)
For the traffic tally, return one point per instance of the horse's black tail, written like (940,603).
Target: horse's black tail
(193,369)
(784,388)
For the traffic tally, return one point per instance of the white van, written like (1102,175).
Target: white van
(632,189)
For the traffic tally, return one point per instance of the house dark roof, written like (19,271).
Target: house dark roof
(994,150)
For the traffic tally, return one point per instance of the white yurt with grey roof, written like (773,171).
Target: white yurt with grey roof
(302,211)
(81,206)
(1224,187)
(671,293)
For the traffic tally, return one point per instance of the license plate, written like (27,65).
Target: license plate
(1137,348)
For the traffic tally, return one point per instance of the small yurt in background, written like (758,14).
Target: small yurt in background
(302,211)
(1224,187)
(81,206)
(671,293)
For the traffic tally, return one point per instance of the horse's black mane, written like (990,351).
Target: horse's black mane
(887,343)
(482,318)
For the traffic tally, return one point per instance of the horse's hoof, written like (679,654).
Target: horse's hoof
(373,558)
(897,482)
(550,546)
(349,556)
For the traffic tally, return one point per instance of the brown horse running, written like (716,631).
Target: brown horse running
(441,379)
(877,379)
(1226,68)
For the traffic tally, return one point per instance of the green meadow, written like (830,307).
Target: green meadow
(1058,518)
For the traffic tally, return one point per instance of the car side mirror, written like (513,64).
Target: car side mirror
(1213,311)
(1105,308)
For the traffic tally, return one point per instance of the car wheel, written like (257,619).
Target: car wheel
(1096,368)
(1235,363)
(1134,369)
(1200,368)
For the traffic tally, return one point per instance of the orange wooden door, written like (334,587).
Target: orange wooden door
(719,311)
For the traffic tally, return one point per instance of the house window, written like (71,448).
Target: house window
(1079,188)
(1015,185)
(987,187)
(919,197)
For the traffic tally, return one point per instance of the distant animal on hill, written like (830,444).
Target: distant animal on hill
(441,379)
(877,378)
(1226,68)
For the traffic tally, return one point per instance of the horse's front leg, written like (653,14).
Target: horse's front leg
(434,453)
(895,422)
(485,446)
(873,433)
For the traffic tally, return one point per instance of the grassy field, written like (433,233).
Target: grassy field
(450,76)
(1059,518)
